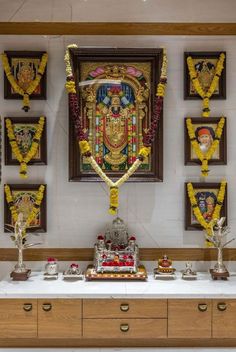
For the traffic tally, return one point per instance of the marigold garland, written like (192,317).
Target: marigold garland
(35,210)
(205,157)
(216,214)
(24,160)
(197,85)
(82,137)
(32,86)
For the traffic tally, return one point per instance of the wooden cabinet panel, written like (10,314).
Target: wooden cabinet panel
(18,318)
(59,318)
(125,328)
(224,319)
(189,318)
(131,308)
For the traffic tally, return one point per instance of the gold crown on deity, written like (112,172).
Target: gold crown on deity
(115,71)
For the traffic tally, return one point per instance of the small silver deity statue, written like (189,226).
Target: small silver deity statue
(218,234)
(188,273)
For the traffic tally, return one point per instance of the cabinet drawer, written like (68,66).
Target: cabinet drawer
(224,319)
(18,318)
(189,318)
(117,308)
(125,328)
(59,318)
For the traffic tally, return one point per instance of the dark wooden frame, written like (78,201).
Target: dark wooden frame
(206,186)
(119,55)
(43,208)
(222,80)
(43,142)
(222,144)
(25,54)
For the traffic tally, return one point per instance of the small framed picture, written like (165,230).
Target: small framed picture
(205,65)
(206,197)
(24,131)
(205,133)
(24,67)
(24,197)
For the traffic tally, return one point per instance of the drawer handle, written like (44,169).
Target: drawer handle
(47,307)
(27,307)
(124,307)
(124,327)
(221,306)
(202,307)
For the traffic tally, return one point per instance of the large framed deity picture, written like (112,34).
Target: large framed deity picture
(117,88)
(207,197)
(24,67)
(24,130)
(206,132)
(23,201)
(205,64)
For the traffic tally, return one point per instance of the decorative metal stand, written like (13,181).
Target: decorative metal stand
(20,273)
(218,233)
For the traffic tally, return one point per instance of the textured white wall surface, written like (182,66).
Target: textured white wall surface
(153,211)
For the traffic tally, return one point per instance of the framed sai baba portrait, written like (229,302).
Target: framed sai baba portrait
(206,196)
(205,64)
(23,201)
(24,66)
(206,132)
(117,88)
(24,130)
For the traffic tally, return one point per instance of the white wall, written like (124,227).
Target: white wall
(154,212)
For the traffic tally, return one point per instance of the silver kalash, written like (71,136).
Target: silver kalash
(116,251)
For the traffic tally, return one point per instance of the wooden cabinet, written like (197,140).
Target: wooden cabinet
(224,319)
(129,308)
(189,318)
(125,328)
(18,318)
(59,318)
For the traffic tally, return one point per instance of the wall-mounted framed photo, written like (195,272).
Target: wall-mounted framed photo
(24,130)
(24,197)
(205,63)
(116,98)
(206,196)
(24,67)
(205,134)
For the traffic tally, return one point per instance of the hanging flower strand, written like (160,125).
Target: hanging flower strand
(197,85)
(33,84)
(216,214)
(82,137)
(205,157)
(24,160)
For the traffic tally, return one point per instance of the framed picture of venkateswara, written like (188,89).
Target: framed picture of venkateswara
(207,197)
(117,88)
(24,130)
(24,66)
(23,201)
(205,64)
(211,137)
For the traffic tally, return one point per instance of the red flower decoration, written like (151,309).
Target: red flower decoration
(74,265)
(100,237)
(51,259)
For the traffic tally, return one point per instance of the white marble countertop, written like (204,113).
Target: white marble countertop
(37,287)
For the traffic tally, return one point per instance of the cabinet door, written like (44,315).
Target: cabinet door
(59,318)
(189,318)
(224,319)
(18,318)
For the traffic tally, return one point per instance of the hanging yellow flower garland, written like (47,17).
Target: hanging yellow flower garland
(216,214)
(35,210)
(205,157)
(84,144)
(23,160)
(197,85)
(32,86)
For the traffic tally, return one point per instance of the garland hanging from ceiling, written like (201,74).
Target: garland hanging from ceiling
(82,138)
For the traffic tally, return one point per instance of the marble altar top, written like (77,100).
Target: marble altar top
(37,287)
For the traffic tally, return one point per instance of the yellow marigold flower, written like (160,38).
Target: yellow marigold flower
(84,146)
(145,151)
